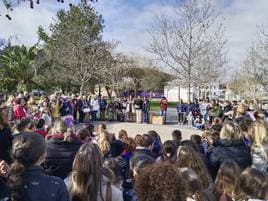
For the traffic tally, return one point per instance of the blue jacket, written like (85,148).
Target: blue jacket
(181,107)
(41,187)
(128,191)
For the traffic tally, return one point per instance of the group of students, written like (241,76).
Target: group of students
(200,114)
(226,162)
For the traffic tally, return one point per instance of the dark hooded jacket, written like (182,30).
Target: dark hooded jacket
(228,149)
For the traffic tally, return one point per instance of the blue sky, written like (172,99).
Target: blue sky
(129,20)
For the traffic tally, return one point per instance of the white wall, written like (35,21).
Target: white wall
(172,93)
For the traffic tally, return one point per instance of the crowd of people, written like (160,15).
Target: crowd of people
(49,159)
(201,114)
(76,109)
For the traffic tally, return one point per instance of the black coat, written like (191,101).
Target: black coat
(4,192)
(42,187)
(144,152)
(59,157)
(5,144)
(228,149)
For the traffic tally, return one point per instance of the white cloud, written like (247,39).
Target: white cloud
(128,22)
(242,18)
(24,23)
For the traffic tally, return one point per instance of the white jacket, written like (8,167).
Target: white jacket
(94,103)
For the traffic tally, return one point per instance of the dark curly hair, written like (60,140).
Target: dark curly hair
(160,182)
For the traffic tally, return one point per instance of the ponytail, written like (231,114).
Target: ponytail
(15,182)
(26,151)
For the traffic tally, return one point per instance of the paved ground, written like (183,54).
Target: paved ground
(164,131)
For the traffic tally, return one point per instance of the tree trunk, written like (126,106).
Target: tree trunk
(189,92)
(99,90)
(109,92)
(82,86)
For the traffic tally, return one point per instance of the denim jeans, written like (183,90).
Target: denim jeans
(164,113)
(94,115)
(146,116)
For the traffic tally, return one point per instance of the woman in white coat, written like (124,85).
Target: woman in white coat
(94,103)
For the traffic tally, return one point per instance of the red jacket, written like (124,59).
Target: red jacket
(163,104)
(18,112)
(41,132)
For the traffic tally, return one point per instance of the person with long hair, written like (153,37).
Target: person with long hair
(193,186)
(258,138)
(27,179)
(176,137)
(104,143)
(161,182)
(169,151)
(252,185)
(87,181)
(61,150)
(226,180)
(188,157)
(230,145)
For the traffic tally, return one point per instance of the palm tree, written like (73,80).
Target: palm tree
(16,64)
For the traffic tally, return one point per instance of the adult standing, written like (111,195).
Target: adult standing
(75,111)
(204,109)
(18,110)
(130,109)
(55,108)
(94,103)
(181,110)
(146,110)
(138,107)
(79,107)
(103,105)
(124,108)
(163,107)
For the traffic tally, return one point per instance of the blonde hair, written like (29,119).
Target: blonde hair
(101,128)
(258,135)
(241,109)
(103,142)
(230,131)
(59,127)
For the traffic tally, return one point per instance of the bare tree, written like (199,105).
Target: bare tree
(117,74)
(256,63)
(183,43)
